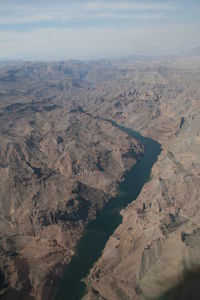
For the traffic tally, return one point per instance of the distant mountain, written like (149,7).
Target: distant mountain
(195,51)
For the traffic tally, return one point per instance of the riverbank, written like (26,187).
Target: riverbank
(98,231)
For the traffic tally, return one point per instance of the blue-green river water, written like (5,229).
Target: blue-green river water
(97,232)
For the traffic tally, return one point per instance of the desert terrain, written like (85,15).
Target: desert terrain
(61,161)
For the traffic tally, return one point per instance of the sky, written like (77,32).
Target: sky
(85,29)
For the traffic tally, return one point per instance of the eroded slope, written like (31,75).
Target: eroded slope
(157,246)
(58,166)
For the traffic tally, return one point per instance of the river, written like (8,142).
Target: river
(97,232)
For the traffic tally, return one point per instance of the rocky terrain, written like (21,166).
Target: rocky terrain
(60,162)
(58,166)
(155,252)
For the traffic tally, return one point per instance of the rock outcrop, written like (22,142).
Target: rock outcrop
(60,163)
(58,166)
(155,251)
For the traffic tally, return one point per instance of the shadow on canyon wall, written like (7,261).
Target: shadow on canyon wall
(187,289)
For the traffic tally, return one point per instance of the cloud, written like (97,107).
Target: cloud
(66,29)
(129,5)
(54,44)
(24,13)
(46,12)
(139,16)
(33,18)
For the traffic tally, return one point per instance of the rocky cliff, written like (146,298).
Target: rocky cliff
(155,251)
(60,163)
(58,166)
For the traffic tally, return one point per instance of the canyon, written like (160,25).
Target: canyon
(61,161)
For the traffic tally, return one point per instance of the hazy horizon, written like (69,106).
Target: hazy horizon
(62,30)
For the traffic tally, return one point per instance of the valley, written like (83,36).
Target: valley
(61,162)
